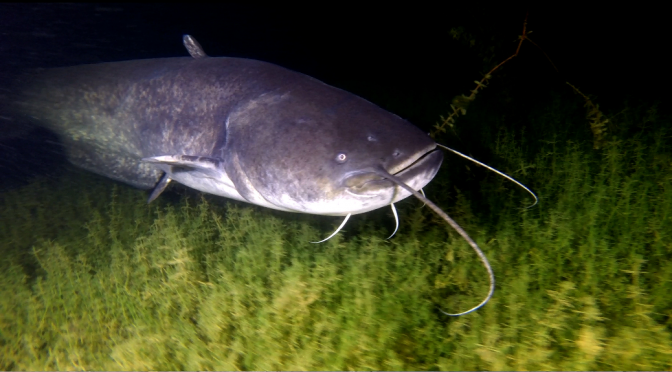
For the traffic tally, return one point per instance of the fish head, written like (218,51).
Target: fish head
(322,150)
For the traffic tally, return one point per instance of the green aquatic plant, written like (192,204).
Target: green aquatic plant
(94,278)
(597,120)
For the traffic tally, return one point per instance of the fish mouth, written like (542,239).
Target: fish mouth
(415,171)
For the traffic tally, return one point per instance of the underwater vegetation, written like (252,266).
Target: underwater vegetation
(94,278)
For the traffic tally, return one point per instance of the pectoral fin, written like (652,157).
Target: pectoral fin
(172,164)
(158,189)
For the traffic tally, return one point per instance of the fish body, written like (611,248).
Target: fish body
(239,128)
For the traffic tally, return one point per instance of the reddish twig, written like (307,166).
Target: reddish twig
(460,103)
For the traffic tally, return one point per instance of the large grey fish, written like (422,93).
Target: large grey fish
(238,128)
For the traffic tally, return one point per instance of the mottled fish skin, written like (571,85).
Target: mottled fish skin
(239,128)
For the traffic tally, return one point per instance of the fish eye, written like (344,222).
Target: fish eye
(371,138)
(396,153)
(341,158)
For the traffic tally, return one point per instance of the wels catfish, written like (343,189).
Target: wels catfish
(239,128)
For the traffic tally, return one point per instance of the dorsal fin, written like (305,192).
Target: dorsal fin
(193,47)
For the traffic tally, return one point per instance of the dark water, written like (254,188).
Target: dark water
(404,59)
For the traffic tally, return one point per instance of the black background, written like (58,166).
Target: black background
(400,57)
